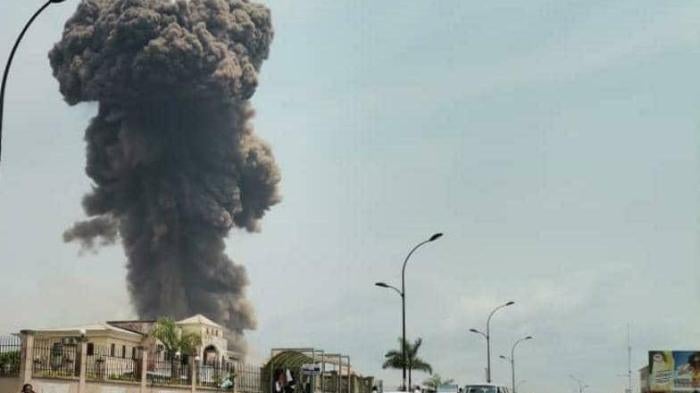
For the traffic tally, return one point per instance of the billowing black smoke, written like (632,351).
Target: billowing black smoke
(173,157)
(103,228)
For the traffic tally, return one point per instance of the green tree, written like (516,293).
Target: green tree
(394,358)
(435,381)
(175,341)
(9,362)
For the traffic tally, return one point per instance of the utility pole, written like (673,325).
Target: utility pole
(629,360)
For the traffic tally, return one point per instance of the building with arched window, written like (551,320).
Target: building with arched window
(214,348)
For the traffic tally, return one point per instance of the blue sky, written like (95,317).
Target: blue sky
(554,142)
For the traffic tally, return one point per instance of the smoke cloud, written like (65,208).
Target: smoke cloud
(103,228)
(172,154)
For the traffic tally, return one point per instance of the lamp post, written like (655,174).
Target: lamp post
(9,61)
(581,385)
(487,335)
(402,293)
(511,359)
(512,367)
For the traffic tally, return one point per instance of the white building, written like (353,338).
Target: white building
(214,347)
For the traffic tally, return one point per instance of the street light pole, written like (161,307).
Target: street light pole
(402,293)
(12,56)
(512,369)
(581,384)
(487,335)
(512,359)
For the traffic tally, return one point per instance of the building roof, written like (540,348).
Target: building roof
(199,319)
(87,329)
(122,327)
(293,359)
(142,327)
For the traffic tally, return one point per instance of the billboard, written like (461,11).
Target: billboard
(674,371)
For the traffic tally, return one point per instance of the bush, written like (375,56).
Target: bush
(9,363)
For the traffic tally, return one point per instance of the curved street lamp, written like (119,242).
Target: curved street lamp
(511,359)
(581,385)
(487,335)
(9,61)
(402,293)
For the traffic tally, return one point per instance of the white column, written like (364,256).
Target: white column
(27,358)
(144,370)
(193,372)
(83,365)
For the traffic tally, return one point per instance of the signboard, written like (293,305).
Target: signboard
(674,371)
(311,369)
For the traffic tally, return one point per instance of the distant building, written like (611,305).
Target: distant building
(214,348)
(115,340)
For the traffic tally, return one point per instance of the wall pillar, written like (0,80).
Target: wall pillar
(193,372)
(83,365)
(144,370)
(27,357)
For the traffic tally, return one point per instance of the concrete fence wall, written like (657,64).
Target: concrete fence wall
(55,386)
(79,384)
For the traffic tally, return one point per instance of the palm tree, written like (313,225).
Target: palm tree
(435,381)
(394,358)
(175,341)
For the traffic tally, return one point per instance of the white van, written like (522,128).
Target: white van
(485,388)
(448,388)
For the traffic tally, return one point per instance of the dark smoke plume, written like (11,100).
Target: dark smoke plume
(86,232)
(171,151)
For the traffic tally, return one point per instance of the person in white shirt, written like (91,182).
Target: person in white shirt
(279,384)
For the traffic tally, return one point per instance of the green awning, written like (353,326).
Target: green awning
(289,359)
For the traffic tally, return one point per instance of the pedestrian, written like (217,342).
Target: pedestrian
(290,383)
(279,384)
(27,388)
(227,383)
